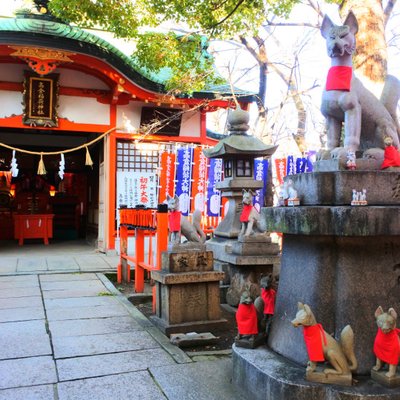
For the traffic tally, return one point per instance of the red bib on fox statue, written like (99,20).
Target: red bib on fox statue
(244,216)
(174,221)
(313,339)
(391,157)
(339,78)
(268,295)
(246,318)
(387,346)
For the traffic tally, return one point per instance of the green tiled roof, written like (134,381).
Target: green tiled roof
(41,31)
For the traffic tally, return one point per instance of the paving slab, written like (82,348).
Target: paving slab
(93,326)
(74,285)
(68,277)
(64,294)
(91,262)
(19,292)
(18,278)
(73,346)
(80,302)
(21,314)
(85,312)
(25,282)
(105,364)
(134,386)
(36,327)
(8,264)
(62,263)
(27,372)
(24,344)
(21,302)
(44,392)
(209,380)
(31,264)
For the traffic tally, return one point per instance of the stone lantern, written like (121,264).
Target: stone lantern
(238,151)
(243,263)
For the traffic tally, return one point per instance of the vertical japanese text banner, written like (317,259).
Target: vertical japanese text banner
(280,165)
(183,178)
(291,166)
(167,176)
(214,195)
(199,179)
(260,174)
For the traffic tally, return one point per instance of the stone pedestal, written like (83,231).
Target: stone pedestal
(342,260)
(187,293)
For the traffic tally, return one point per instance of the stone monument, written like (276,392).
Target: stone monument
(242,257)
(339,258)
(187,292)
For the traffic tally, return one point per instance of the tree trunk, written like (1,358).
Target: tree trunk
(370,59)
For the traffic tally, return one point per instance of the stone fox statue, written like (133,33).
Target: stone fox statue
(366,119)
(323,347)
(179,224)
(387,342)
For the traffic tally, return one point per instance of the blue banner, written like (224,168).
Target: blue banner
(290,166)
(183,178)
(301,163)
(260,174)
(214,195)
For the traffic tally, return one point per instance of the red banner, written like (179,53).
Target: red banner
(167,176)
(280,164)
(199,180)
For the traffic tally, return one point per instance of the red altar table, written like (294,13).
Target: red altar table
(33,226)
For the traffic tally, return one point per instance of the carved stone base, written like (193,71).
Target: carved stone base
(380,377)
(250,343)
(320,377)
(186,246)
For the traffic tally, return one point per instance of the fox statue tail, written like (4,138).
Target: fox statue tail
(196,222)
(347,344)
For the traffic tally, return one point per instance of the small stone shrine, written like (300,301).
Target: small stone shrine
(187,291)
(243,257)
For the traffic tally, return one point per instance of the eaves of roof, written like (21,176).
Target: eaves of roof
(33,30)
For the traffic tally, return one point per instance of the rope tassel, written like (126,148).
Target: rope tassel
(41,168)
(89,161)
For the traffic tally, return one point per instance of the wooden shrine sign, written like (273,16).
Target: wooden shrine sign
(40,100)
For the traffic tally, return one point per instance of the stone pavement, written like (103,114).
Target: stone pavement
(67,336)
(65,256)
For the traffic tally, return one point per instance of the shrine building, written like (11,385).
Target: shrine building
(77,132)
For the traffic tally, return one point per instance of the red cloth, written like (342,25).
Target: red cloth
(339,78)
(268,295)
(387,346)
(174,221)
(246,318)
(313,338)
(244,216)
(391,157)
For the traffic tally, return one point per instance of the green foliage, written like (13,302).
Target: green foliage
(191,68)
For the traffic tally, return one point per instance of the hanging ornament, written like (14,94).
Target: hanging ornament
(14,166)
(89,161)
(41,168)
(62,167)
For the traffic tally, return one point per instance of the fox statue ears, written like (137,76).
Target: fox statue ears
(350,21)
(379,311)
(169,197)
(305,307)
(244,191)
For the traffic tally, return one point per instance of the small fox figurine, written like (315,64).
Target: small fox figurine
(323,347)
(387,343)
